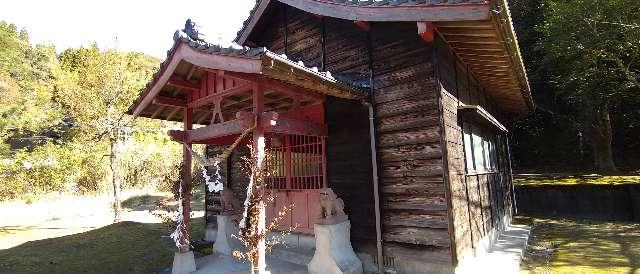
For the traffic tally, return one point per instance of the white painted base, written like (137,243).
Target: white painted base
(225,243)
(334,254)
(183,263)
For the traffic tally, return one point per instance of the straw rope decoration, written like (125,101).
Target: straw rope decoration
(213,186)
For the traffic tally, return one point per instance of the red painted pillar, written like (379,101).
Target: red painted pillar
(186,182)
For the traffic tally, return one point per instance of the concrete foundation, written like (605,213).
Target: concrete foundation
(183,263)
(225,243)
(503,254)
(334,254)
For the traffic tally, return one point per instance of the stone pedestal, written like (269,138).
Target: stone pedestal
(334,254)
(225,243)
(183,263)
(210,233)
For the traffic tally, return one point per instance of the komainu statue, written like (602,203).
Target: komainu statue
(331,208)
(230,204)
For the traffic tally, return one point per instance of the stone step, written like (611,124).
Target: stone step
(299,256)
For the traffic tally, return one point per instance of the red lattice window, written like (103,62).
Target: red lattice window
(296,162)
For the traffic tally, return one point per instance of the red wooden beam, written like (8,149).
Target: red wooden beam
(275,85)
(426,30)
(366,26)
(270,122)
(177,135)
(221,94)
(179,83)
(170,102)
(237,76)
(230,127)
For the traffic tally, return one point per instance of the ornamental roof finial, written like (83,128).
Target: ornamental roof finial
(193,31)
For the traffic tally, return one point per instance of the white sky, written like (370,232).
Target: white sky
(139,25)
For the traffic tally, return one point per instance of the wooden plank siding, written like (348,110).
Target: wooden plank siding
(349,176)
(408,132)
(413,199)
(478,201)
(239,179)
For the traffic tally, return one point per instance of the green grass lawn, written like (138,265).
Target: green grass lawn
(568,246)
(126,247)
(583,179)
(77,240)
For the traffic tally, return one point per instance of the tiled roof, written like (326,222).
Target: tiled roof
(401,2)
(185,36)
(201,45)
(361,3)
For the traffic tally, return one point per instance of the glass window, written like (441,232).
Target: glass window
(467,147)
(486,152)
(480,149)
(493,153)
(478,154)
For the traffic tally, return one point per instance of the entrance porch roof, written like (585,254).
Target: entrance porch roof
(197,74)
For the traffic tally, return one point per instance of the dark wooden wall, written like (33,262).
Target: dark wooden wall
(479,201)
(349,166)
(413,199)
(407,124)
(233,175)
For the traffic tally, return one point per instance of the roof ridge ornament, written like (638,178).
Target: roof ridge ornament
(193,31)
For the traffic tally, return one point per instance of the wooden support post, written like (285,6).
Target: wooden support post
(186,183)
(258,109)
(259,148)
(217,111)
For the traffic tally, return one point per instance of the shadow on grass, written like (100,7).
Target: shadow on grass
(145,202)
(126,247)
(567,246)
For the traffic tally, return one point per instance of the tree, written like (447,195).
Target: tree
(26,107)
(97,87)
(592,50)
(60,116)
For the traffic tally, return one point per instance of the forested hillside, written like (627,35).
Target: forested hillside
(63,127)
(583,62)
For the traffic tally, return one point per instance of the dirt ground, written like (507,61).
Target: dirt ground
(70,234)
(582,246)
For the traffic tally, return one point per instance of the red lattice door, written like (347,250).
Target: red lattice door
(296,167)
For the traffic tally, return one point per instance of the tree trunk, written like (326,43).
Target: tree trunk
(115,180)
(600,135)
